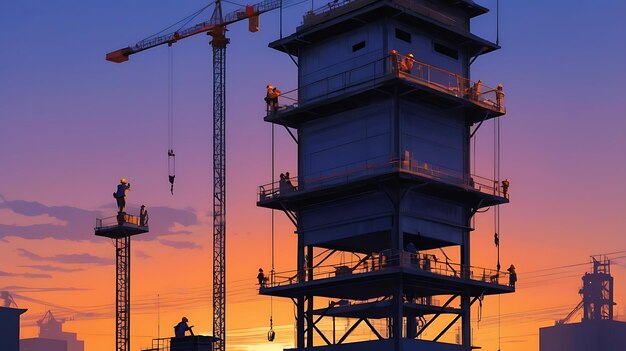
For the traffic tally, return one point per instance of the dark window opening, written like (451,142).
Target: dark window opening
(402,35)
(358,46)
(445,50)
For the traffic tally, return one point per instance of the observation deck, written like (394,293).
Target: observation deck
(376,275)
(120,226)
(431,179)
(422,82)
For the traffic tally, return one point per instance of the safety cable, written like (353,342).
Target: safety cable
(171,156)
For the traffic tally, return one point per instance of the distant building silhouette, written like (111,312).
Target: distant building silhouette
(10,328)
(52,337)
(597,330)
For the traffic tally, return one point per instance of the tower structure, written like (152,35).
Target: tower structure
(384,174)
(120,228)
(597,329)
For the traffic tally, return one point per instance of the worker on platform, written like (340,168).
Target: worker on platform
(271,97)
(505,187)
(120,195)
(182,327)
(512,276)
(393,55)
(407,63)
(261,278)
(476,89)
(500,97)
(143,216)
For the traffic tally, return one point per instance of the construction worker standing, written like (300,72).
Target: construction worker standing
(120,195)
(512,276)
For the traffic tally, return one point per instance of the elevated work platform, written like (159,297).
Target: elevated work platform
(120,226)
(422,82)
(420,177)
(422,277)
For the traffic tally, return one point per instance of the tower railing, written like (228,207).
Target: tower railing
(390,66)
(350,172)
(388,259)
(120,219)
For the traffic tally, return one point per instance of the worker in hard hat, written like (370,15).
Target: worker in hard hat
(182,327)
(512,276)
(120,195)
(407,63)
(143,216)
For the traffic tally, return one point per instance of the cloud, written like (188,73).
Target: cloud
(84,258)
(141,254)
(180,244)
(33,220)
(25,275)
(18,289)
(49,268)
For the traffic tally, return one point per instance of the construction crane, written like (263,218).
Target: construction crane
(216,28)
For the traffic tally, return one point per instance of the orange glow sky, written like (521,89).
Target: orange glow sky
(72,124)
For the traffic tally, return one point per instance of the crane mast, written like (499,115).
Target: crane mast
(216,27)
(219,181)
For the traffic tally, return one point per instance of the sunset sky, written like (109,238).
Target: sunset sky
(72,124)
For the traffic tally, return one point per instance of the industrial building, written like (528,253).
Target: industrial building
(597,330)
(10,327)
(52,337)
(383,119)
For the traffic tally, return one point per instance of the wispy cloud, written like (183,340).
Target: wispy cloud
(141,254)
(17,288)
(50,268)
(180,244)
(33,220)
(84,258)
(25,275)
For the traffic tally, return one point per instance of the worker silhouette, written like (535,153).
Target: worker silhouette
(512,276)
(182,327)
(120,195)
(261,278)
(271,97)
(143,216)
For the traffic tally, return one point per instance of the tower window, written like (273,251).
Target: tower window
(402,35)
(358,46)
(446,50)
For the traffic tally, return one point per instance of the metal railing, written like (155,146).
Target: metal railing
(120,219)
(327,10)
(160,344)
(346,173)
(388,259)
(389,66)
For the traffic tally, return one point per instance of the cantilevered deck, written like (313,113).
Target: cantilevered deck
(422,82)
(377,275)
(120,226)
(432,179)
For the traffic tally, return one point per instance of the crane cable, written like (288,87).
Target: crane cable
(496,212)
(171,156)
(270,333)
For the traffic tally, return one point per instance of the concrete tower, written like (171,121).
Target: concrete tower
(384,175)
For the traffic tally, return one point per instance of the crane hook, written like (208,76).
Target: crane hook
(172,168)
(271,334)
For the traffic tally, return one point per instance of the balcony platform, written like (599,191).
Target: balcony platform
(372,284)
(120,226)
(386,345)
(399,177)
(414,87)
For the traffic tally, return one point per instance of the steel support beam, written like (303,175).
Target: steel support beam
(122,294)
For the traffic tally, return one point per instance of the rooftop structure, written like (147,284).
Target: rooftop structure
(10,328)
(383,117)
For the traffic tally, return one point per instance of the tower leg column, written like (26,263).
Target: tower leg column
(122,294)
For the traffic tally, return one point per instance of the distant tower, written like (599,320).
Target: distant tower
(597,330)
(597,291)
(121,228)
(52,337)
(384,112)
